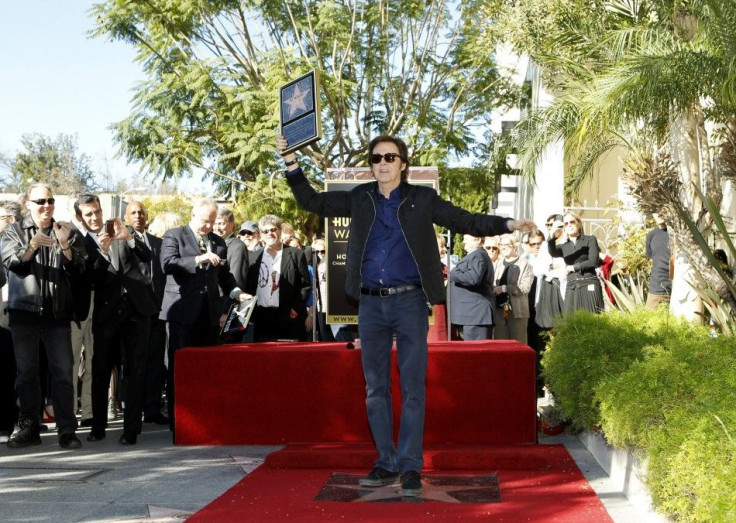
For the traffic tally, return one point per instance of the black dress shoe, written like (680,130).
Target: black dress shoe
(128,439)
(86,422)
(95,435)
(158,419)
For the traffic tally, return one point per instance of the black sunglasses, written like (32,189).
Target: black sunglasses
(389,157)
(42,201)
(320,251)
(489,248)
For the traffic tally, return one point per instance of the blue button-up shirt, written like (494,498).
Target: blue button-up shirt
(387,260)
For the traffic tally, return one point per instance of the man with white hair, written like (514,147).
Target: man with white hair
(194,260)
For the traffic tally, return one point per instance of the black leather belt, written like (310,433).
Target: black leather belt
(390,291)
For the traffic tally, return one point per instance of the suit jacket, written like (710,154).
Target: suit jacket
(471,290)
(295,285)
(119,275)
(158,278)
(190,286)
(237,260)
(581,254)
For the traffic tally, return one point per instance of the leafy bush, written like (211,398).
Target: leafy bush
(586,349)
(662,386)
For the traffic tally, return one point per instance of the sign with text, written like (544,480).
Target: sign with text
(340,309)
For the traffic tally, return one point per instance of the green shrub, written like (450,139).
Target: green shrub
(662,386)
(586,349)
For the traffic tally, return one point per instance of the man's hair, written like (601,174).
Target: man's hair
(204,202)
(85,199)
(403,151)
(227,214)
(11,208)
(36,186)
(269,219)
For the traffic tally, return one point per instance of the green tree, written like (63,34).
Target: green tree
(647,76)
(209,105)
(53,161)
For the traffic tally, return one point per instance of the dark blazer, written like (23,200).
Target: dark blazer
(237,260)
(420,208)
(471,290)
(111,283)
(582,255)
(295,285)
(188,283)
(158,278)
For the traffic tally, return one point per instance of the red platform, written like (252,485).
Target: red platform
(276,393)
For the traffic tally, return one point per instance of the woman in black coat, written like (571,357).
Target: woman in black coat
(580,252)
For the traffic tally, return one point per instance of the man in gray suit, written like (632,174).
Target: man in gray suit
(471,292)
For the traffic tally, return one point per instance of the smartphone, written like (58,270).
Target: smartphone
(110,228)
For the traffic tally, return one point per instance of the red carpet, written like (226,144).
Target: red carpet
(279,393)
(537,483)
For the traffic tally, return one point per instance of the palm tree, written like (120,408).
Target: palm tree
(660,82)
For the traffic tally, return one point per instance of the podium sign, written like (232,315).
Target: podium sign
(300,112)
(339,308)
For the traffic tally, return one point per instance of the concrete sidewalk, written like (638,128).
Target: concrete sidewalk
(156,481)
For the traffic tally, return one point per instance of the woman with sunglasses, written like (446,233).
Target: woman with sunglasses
(41,256)
(580,254)
(394,271)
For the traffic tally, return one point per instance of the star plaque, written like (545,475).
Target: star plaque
(299,112)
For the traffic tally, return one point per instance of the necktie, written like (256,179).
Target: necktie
(202,246)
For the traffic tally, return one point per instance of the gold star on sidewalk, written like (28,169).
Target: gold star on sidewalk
(446,489)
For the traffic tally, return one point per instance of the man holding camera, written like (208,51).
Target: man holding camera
(121,321)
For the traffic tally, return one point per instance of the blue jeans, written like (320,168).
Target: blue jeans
(379,319)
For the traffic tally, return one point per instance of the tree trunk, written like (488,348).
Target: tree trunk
(685,142)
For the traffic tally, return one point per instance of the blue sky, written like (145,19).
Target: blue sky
(55,79)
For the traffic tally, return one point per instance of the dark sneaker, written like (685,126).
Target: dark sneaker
(26,436)
(411,483)
(69,442)
(379,477)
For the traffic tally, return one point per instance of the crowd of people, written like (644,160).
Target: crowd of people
(98,308)
(513,287)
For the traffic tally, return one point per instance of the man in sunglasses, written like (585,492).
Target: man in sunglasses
(42,257)
(394,271)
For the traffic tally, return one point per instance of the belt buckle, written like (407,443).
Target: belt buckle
(384,293)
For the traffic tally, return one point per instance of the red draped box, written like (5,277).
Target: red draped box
(276,393)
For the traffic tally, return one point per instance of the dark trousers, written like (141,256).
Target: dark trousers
(200,334)
(271,324)
(128,335)
(156,369)
(8,398)
(29,332)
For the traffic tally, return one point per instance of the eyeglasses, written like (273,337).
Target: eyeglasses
(269,231)
(319,251)
(43,201)
(247,233)
(535,244)
(569,223)
(490,248)
(550,224)
(389,157)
